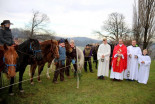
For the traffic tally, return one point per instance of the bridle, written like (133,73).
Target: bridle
(34,51)
(8,64)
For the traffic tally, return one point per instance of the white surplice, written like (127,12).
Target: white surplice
(103,67)
(132,63)
(117,75)
(144,69)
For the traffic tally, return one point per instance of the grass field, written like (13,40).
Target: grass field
(91,91)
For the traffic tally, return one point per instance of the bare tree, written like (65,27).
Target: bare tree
(116,27)
(136,27)
(38,23)
(146,21)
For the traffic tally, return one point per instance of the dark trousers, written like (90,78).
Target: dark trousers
(68,63)
(95,61)
(88,59)
(59,70)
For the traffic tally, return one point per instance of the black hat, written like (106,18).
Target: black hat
(6,22)
(61,41)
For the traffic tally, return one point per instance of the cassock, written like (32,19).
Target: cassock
(103,66)
(132,63)
(119,64)
(144,69)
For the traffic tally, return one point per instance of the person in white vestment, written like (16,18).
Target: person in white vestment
(103,56)
(144,68)
(133,53)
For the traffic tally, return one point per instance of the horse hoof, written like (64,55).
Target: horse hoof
(32,83)
(21,91)
(48,77)
(11,94)
(39,81)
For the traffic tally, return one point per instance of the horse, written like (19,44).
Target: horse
(27,51)
(47,58)
(68,49)
(50,51)
(80,58)
(8,60)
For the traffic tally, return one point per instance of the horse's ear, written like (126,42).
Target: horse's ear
(5,47)
(66,40)
(16,47)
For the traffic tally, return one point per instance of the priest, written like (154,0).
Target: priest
(103,56)
(133,53)
(119,61)
(144,68)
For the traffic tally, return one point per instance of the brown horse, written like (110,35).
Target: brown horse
(49,53)
(8,60)
(68,49)
(49,50)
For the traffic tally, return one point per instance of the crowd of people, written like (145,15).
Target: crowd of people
(127,62)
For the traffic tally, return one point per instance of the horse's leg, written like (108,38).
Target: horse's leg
(10,88)
(40,69)
(67,70)
(33,68)
(21,72)
(47,74)
(30,70)
(0,79)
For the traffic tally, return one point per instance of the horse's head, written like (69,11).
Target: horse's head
(68,47)
(35,49)
(10,60)
(54,48)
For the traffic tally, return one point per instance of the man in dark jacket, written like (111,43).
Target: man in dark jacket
(71,57)
(87,54)
(5,34)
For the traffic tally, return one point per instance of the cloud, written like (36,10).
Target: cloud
(68,17)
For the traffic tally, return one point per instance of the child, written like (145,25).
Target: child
(144,68)
(60,66)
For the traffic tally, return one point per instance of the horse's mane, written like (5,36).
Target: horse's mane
(45,46)
(22,46)
(25,44)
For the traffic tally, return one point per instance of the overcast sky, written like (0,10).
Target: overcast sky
(67,17)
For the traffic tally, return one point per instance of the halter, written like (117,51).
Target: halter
(8,64)
(34,51)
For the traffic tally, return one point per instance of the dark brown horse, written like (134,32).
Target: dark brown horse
(8,60)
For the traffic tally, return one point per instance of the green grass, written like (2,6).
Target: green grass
(91,91)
